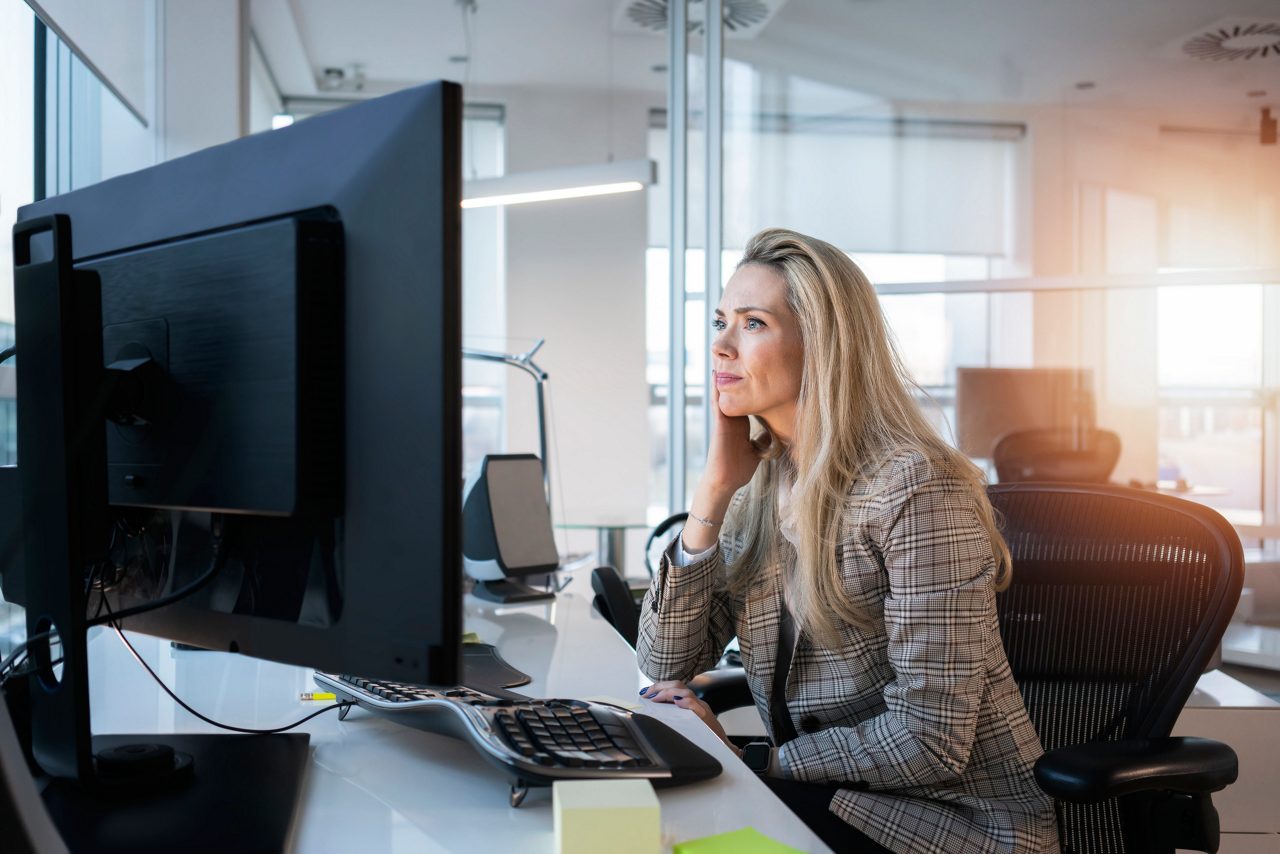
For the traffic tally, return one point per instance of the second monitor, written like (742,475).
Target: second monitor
(506,523)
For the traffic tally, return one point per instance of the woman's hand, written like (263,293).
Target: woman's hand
(678,694)
(732,459)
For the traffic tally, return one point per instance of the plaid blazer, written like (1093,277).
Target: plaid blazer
(919,720)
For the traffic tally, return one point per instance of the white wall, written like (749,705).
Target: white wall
(204,92)
(575,276)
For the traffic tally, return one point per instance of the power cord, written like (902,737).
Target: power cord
(120,634)
(18,656)
(215,565)
(7,353)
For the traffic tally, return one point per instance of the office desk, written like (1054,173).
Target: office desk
(1224,709)
(376,786)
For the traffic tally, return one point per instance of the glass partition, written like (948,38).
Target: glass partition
(1063,190)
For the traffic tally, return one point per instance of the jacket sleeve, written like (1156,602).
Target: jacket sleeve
(686,618)
(938,615)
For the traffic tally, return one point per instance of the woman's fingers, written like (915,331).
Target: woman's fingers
(693,704)
(663,692)
(703,711)
(678,694)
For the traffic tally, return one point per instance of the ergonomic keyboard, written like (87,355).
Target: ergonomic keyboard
(536,741)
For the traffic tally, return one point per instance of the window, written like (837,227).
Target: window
(484,384)
(17,181)
(17,188)
(1212,396)
(88,134)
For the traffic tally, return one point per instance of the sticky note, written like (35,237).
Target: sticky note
(748,840)
(619,816)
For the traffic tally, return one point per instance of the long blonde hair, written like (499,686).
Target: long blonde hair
(856,409)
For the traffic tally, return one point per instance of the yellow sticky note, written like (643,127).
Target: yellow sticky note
(470,637)
(748,840)
(619,816)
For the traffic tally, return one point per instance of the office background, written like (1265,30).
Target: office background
(1064,185)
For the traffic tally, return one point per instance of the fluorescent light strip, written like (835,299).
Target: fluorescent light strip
(551,195)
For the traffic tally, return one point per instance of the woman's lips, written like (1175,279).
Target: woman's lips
(723,380)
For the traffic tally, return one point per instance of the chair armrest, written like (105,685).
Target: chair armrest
(723,689)
(1088,773)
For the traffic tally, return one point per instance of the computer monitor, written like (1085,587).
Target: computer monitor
(507,534)
(991,402)
(248,360)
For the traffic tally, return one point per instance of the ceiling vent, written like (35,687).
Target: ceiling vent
(1236,40)
(743,19)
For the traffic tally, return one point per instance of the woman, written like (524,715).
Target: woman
(857,564)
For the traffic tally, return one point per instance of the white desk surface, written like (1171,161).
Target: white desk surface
(380,787)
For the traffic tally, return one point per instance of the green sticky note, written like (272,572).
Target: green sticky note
(470,637)
(748,840)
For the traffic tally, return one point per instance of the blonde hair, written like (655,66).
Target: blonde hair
(856,409)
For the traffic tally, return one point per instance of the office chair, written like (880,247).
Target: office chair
(1119,598)
(25,826)
(659,535)
(1087,456)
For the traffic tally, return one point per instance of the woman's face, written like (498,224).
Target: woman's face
(757,354)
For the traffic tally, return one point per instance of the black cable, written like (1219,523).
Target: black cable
(7,353)
(21,649)
(215,565)
(211,721)
(18,671)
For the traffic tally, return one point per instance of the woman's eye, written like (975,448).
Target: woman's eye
(754,324)
(717,325)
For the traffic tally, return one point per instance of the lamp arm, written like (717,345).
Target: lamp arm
(524,361)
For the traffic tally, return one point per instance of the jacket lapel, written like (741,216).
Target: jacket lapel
(762,613)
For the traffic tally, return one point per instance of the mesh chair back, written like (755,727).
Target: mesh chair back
(1119,598)
(1087,456)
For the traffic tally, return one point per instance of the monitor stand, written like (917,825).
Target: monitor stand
(226,807)
(510,592)
(172,792)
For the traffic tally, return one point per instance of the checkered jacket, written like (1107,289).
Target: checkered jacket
(919,720)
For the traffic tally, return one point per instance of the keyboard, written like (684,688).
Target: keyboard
(537,741)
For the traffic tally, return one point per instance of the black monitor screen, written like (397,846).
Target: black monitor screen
(281,336)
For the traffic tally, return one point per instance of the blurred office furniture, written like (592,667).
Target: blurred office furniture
(611,537)
(1119,599)
(616,602)
(991,402)
(1253,638)
(1076,456)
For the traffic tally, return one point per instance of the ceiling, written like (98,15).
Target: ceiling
(979,51)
